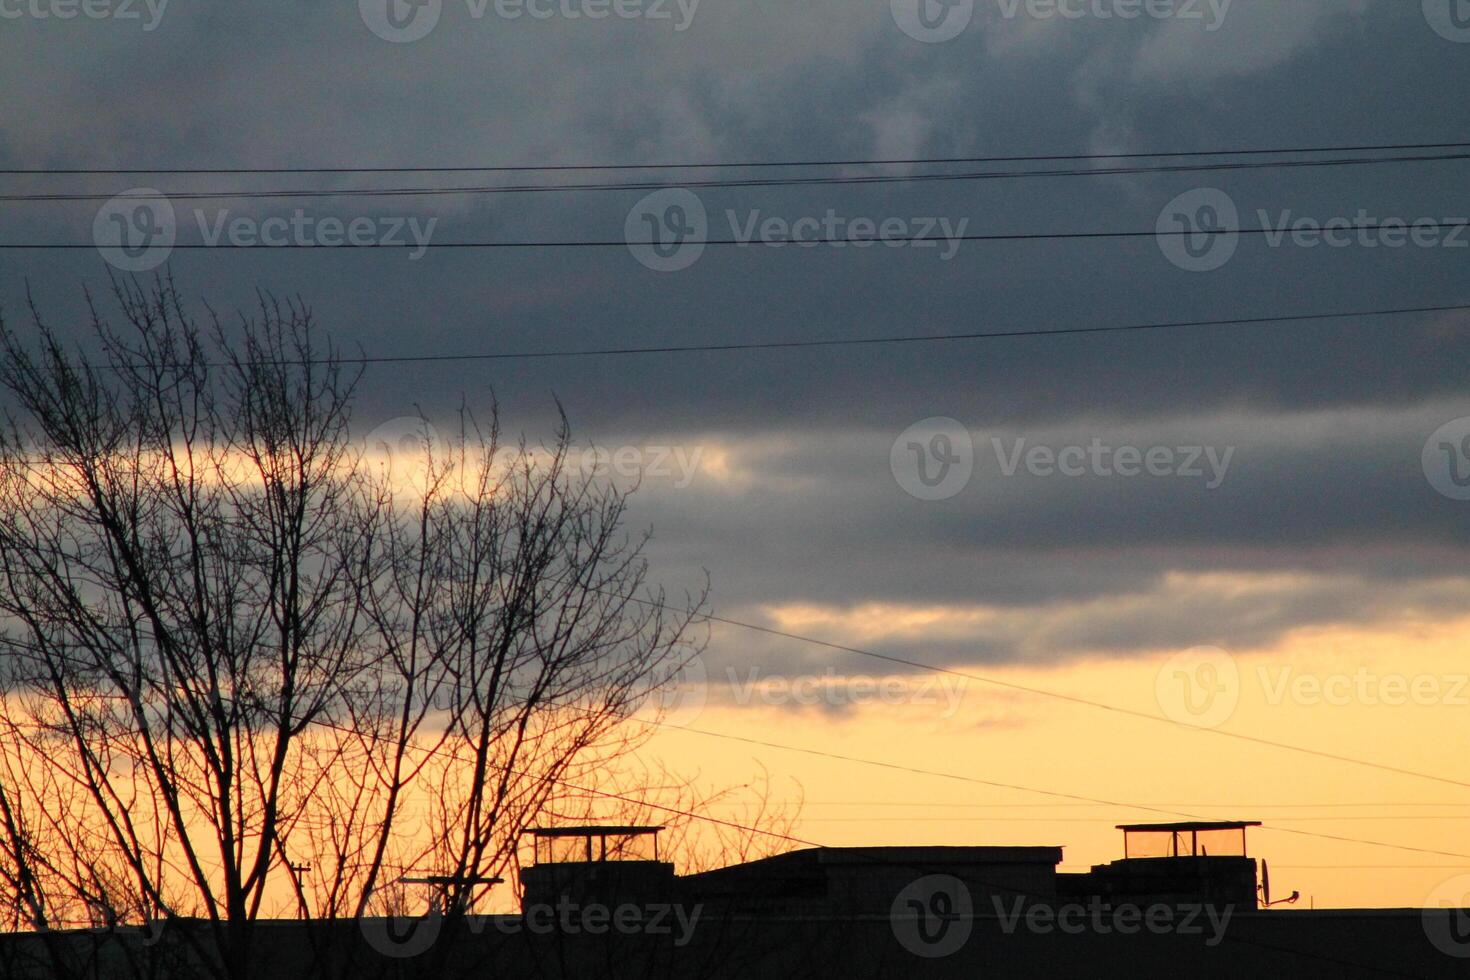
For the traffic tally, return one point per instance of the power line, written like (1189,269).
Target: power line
(923,338)
(1086,702)
(897,241)
(737,165)
(1068,698)
(996,784)
(865,853)
(454,753)
(862,852)
(367,360)
(932,804)
(1073,699)
(1371,867)
(987,818)
(746,182)
(965,674)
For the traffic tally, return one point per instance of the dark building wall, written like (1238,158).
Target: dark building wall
(1219,880)
(1292,944)
(608,882)
(856,881)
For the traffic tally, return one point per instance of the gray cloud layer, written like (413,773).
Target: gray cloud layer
(1328,419)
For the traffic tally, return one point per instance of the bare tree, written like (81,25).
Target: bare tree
(252,672)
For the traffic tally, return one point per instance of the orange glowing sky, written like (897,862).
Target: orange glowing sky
(999,736)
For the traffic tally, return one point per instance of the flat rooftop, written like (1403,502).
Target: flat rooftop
(1196,825)
(609,830)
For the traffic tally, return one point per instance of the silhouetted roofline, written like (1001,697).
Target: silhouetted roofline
(938,853)
(1198,825)
(593,831)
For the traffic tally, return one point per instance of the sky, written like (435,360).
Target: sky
(1241,529)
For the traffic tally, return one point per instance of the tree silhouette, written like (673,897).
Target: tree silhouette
(250,669)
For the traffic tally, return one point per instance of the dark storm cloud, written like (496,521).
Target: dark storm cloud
(1317,518)
(818,517)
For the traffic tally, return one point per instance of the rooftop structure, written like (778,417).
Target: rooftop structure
(595,862)
(587,844)
(1219,838)
(1190,861)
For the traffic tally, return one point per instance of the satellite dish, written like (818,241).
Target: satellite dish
(1266,902)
